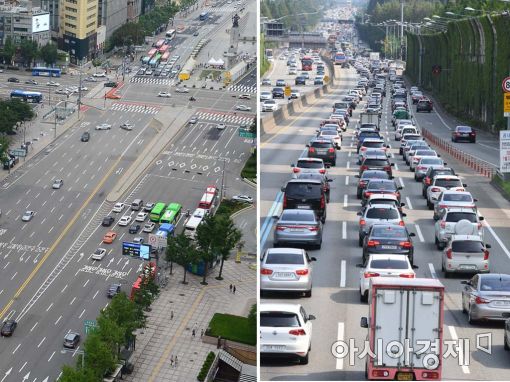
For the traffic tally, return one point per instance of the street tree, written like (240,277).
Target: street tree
(252,316)
(125,313)
(231,236)
(71,374)
(111,333)
(29,51)
(98,356)
(8,51)
(181,250)
(147,293)
(49,54)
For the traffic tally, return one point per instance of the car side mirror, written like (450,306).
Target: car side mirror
(415,267)
(392,164)
(282,189)
(434,198)
(313,259)
(292,165)
(475,200)
(328,165)
(439,156)
(364,322)
(465,282)
(412,234)
(464,185)
(402,204)
(488,246)
(359,213)
(359,265)
(311,317)
(481,218)
(356,176)
(399,187)
(404,215)
(444,163)
(307,145)
(330,180)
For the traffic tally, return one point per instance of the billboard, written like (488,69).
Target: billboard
(142,251)
(41,23)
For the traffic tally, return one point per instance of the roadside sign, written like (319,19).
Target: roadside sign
(288,91)
(506,104)
(506,85)
(19,152)
(89,325)
(246,134)
(326,79)
(504,151)
(143,251)
(157,241)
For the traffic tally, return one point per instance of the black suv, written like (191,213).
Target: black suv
(305,194)
(424,105)
(85,136)
(365,178)
(320,177)
(278,93)
(13,79)
(110,84)
(300,80)
(377,162)
(107,221)
(323,149)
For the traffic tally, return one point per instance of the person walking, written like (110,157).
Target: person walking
(172,315)
(193,332)
(172,360)
(230,288)
(234,289)
(202,333)
(176,361)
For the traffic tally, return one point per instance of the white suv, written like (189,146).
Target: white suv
(125,220)
(442,183)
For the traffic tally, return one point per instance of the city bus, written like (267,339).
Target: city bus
(164,48)
(165,56)
(27,96)
(203,16)
(47,72)
(152,52)
(170,34)
(339,58)
(306,63)
(171,213)
(155,60)
(159,43)
(208,198)
(145,60)
(157,211)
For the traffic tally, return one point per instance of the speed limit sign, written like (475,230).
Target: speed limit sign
(506,85)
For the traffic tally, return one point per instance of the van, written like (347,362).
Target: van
(137,205)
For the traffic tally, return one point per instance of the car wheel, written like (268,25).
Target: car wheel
(304,360)
(363,297)
(471,320)
(358,195)
(360,241)
(430,205)
(308,293)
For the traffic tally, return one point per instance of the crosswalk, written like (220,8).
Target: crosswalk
(243,89)
(135,108)
(151,80)
(229,118)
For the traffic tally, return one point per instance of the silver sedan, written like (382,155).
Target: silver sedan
(300,227)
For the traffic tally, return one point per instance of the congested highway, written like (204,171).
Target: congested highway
(335,301)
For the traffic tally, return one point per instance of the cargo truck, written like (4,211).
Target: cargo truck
(404,313)
(369,120)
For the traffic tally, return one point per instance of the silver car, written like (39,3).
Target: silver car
(442,183)
(377,213)
(409,150)
(465,254)
(449,223)
(424,164)
(415,158)
(486,297)
(298,227)
(449,199)
(308,165)
(286,269)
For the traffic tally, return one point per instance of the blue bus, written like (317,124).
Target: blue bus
(204,16)
(27,96)
(47,72)
(339,58)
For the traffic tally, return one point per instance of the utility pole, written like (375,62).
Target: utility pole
(79,89)
(55,121)
(222,180)
(402,30)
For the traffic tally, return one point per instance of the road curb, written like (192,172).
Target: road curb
(237,213)
(250,183)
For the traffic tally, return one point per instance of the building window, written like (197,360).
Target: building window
(91,33)
(70,25)
(92,8)
(68,17)
(89,17)
(71,34)
(91,24)
(72,1)
(73,10)
(20,29)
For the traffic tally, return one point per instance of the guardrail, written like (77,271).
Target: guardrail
(480,166)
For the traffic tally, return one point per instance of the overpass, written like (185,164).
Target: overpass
(309,40)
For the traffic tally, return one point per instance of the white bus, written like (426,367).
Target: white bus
(190,227)
(170,34)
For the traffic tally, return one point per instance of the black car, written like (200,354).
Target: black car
(71,340)
(366,176)
(323,149)
(278,93)
(320,177)
(429,177)
(305,193)
(110,84)
(113,290)
(464,133)
(13,79)
(300,80)
(85,137)
(8,328)
(380,186)
(134,228)
(376,162)
(424,105)
(107,221)
(388,238)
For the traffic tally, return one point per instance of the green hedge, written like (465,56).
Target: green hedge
(206,366)
(234,328)
(250,168)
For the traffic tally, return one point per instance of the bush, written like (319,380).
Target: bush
(206,366)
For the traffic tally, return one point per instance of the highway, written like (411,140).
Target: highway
(48,282)
(335,301)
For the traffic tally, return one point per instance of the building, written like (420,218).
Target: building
(78,29)
(22,23)
(112,14)
(274,29)
(50,6)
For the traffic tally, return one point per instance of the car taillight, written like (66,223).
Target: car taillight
(367,194)
(380,373)
(405,244)
(302,272)
(486,255)
(435,189)
(416,159)
(449,253)
(297,332)
(362,183)
(281,228)
(387,168)
(363,168)
(362,222)
(401,223)
(442,224)
(296,169)
(430,374)
(372,243)
(427,181)
(480,300)
(322,171)
(472,133)
(443,206)
(460,189)
(331,150)
(312,229)
(284,201)
(265,271)
(421,167)
(323,202)
(311,150)
(479,225)
(407,275)
(363,149)
(367,275)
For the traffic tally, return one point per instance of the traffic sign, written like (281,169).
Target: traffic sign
(246,134)
(506,104)
(506,85)
(89,325)
(326,79)
(288,91)
(19,152)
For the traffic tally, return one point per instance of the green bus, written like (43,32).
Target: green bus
(157,211)
(171,213)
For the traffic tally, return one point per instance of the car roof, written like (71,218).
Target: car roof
(305,181)
(373,140)
(375,156)
(387,206)
(457,192)
(388,256)
(277,307)
(460,209)
(466,238)
(310,160)
(71,335)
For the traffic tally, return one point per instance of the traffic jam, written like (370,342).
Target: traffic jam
(371,134)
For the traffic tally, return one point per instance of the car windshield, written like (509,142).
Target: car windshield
(425,153)
(389,232)
(495,284)
(448,183)
(369,134)
(303,190)
(285,258)
(388,264)
(373,144)
(375,162)
(309,164)
(279,319)
(468,246)
(377,185)
(431,161)
(457,198)
(321,145)
(464,129)
(382,213)
(453,217)
(329,132)
(441,172)
(302,216)
(374,175)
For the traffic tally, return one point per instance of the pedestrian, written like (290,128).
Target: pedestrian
(172,360)
(234,289)
(172,315)
(230,288)
(193,332)
(202,333)
(175,361)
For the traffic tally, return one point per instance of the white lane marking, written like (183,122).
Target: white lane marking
(95,295)
(49,307)
(58,319)
(396,166)
(348,166)
(40,343)
(432,271)
(420,235)
(503,247)
(401,182)
(52,354)
(33,327)
(460,348)
(349,155)
(344,230)
(345,200)
(72,301)
(340,337)
(442,120)
(81,313)
(347,180)
(343,267)
(16,349)
(408,201)
(22,367)
(62,291)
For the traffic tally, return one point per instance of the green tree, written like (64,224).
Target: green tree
(181,250)
(252,316)
(49,54)
(8,51)
(29,51)
(207,240)
(98,356)
(111,333)
(230,235)
(70,374)
(125,313)
(147,293)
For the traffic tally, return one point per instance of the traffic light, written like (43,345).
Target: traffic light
(436,70)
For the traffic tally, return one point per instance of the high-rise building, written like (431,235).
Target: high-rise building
(24,22)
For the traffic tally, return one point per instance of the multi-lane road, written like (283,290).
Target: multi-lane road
(335,300)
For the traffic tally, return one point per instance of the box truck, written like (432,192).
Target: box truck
(404,314)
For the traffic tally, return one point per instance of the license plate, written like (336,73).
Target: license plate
(404,376)
(274,347)
(284,275)
(295,230)
(501,303)
(470,267)
(388,246)
(303,207)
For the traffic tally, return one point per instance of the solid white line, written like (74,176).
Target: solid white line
(349,155)
(52,354)
(454,336)
(409,205)
(503,247)
(40,343)
(81,313)
(432,271)
(340,337)
(95,295)
(49,307)
(56,322)
(72,301)
(33,327)
(344,230)
(342,273)
(62,291)
(401,182)
(345,200)
(396,166)
(347,180)
(420,235)
(348,165)
(22,367)
(17,347)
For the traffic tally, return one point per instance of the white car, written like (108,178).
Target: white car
(27,216)
(100,74)
(149,227)
(245,96)
(269,105)
(118,207)
(442,183)
(265,96)
(164,94)
(141,216)
(220,126)
(138,240)
(378,265)
(181,90)
(52,83)
(125,220)
(243,198)
(99,254)
(294,339)
(126,126)
(57,184)
(243,108)
(103,126)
